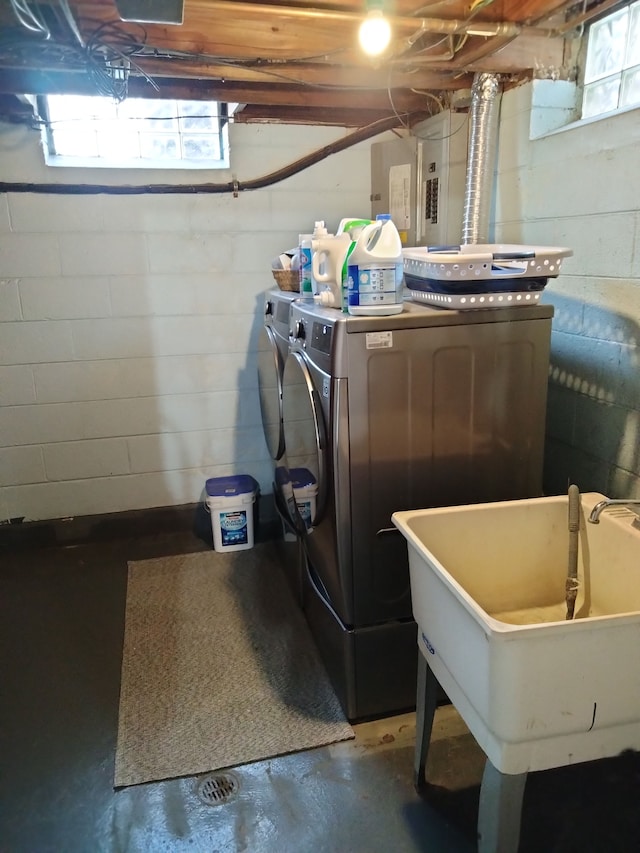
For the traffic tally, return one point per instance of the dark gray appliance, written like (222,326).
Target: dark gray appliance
(429,407)
(273,349)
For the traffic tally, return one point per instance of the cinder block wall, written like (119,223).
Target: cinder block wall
(129,324)
(579,188)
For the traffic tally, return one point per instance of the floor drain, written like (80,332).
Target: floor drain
(218,788)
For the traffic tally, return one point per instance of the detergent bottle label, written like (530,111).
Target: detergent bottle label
(233,527)
(375,286)
(305,270)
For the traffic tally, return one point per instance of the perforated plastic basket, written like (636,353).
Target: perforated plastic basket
(480,275)
(483,261)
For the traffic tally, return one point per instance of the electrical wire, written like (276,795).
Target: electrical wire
(429,95)
(106,56)
(71,21)
(233,186)
(30,18)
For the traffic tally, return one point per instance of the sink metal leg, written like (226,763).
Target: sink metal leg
(426,700)
(500,811)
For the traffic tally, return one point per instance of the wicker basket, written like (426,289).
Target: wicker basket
(287,279)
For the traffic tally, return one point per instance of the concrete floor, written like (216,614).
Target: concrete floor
(62,602)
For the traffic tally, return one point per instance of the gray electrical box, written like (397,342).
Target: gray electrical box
(419,180)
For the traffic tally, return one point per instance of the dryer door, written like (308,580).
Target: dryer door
(270,368)
(305,434)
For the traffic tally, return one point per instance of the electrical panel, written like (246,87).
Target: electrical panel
(420,180)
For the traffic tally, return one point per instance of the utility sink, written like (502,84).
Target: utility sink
(488,590)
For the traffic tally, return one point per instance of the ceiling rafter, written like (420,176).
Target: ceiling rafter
(298,58)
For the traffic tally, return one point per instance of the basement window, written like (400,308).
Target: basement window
(612,69)
(137,133)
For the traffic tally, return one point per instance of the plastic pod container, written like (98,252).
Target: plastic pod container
(375,270)
(305,490)
(304,251)
(230,501)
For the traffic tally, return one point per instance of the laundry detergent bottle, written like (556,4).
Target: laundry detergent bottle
(375,270)
(327,262)
(319,233)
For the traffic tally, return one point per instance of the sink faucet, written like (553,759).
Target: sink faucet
(594,517)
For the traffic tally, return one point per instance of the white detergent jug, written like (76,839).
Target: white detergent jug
(319,231)
(375,270)
(327,261)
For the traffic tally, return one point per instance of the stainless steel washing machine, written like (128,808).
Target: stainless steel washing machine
(427,408)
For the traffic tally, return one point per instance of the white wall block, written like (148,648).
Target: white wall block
(56,422)
(194,252)
(17,385)
(32,212)
(64,298)
(33,342)
(254,254)
(110,253)
(552,93)
(147,213)
(29,255)
(5,225)
(202,449)
(159,336)
(224,213)
(138,377)
(10,308)
(81,460)
(21,465)
(157,295)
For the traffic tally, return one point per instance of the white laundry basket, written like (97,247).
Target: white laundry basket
(305,489)
(230,501)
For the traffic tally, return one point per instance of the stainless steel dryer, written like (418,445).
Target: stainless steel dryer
(273,349)
(427,408)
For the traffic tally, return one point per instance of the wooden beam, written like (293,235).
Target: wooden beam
(498,55)
(313,74)
(277,95)
(255,114)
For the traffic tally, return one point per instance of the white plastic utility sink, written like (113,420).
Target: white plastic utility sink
(488,590)
(536,691)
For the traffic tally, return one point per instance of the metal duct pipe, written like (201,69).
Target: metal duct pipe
(481,161)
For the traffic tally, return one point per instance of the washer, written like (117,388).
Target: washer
(429,407)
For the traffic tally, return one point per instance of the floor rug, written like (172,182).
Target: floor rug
(219,668)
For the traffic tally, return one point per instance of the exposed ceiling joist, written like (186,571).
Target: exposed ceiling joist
(300,59)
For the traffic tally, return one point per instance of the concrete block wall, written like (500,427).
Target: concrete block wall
(579,188)
(129,325)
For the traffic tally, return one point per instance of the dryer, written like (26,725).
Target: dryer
(273,349)
(429,407)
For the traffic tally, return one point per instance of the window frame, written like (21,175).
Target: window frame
(618,75)
(224,111)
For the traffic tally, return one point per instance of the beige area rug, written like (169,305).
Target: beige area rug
(219,668)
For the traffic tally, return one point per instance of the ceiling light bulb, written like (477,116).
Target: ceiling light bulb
(374,33)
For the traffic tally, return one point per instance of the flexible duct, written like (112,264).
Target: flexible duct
(483,141)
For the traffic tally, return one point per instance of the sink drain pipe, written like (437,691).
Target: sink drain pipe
(572,583)
(481,160)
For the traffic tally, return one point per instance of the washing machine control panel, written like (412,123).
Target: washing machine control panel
(299,332)
(321,334)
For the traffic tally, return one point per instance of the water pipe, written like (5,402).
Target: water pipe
(572,583)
